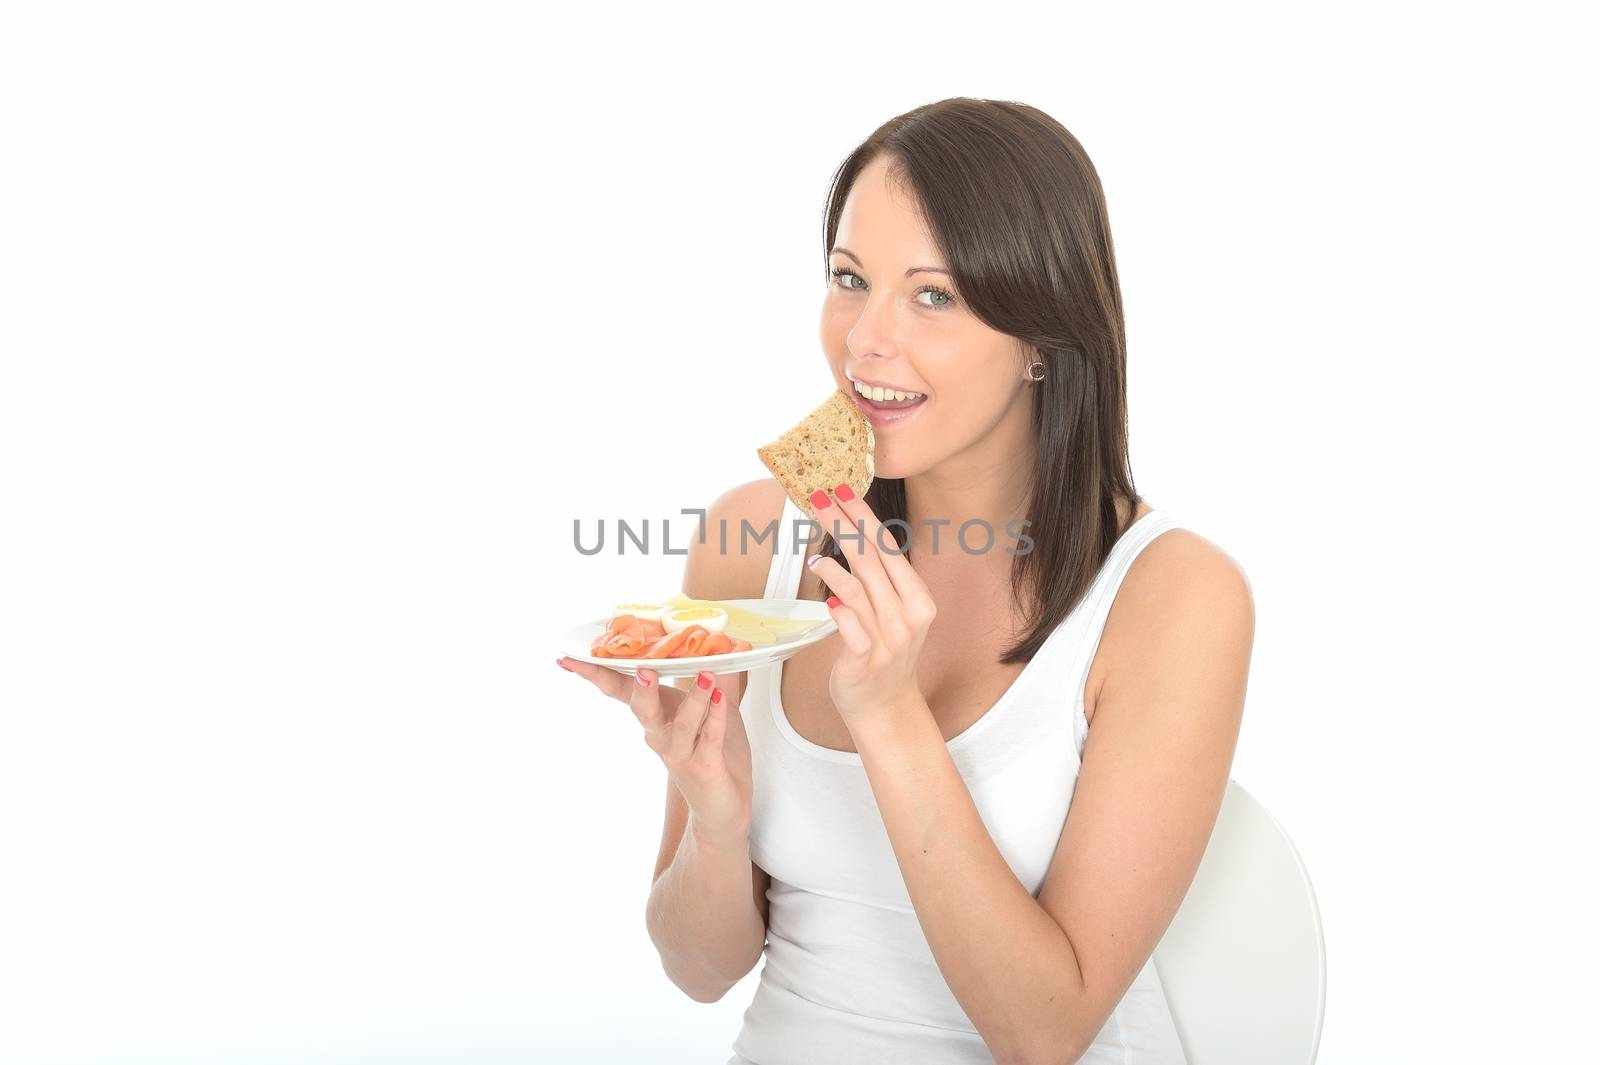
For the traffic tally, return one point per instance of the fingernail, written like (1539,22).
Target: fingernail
(704,680)
(813,560)
(716,696)
(562,662)
(844,493)
(644,681)
(820,500)
(833,601)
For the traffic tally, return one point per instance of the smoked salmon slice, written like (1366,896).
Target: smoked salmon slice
(720,643)
(650,628)
(618,645)
(667,646)
(694,645)
(627,636)
(716,643)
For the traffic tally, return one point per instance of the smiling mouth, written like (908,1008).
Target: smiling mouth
(889,412)
(885,399)
(890,404)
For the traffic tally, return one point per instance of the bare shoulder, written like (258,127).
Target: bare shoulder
(1183,595)
(1181,562)
(740,527)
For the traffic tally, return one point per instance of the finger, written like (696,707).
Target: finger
(732,685)
(855,636)
(882,547)
(691,715)
(848,590)
(610,681)
(708,752)
(646,701)
(855,535)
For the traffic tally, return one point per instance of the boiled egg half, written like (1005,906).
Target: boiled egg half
(711,618)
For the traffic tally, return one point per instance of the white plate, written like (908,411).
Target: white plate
(575,642)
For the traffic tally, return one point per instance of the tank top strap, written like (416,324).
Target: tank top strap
(1103,592)
(783,576)
(758,707)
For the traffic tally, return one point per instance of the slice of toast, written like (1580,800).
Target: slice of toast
(830,446)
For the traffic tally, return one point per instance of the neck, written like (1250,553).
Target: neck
(990,481)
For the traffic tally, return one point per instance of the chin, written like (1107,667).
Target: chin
(892,469)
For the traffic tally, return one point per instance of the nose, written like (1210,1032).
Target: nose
(871,339)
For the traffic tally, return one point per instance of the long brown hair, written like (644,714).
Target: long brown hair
(1016,208)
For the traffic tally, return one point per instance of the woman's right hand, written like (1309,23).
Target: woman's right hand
(698,735)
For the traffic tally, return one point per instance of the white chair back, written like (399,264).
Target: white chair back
(1243,962)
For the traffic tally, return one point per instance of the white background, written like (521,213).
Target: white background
(323,323)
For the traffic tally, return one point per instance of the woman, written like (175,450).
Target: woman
(914,820)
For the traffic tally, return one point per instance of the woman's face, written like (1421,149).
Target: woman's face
(912,332)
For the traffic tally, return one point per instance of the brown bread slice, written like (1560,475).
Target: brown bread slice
(830,446)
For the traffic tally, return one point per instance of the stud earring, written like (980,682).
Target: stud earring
(1036,371)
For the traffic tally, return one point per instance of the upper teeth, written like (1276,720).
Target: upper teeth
(878,395)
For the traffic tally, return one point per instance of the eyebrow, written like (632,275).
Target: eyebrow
(913,270)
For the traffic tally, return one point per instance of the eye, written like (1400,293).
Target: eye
(837,274)
(945,298)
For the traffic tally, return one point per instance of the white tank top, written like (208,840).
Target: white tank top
(848,977)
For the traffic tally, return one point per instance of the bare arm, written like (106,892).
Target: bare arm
(707,912)
(672,836)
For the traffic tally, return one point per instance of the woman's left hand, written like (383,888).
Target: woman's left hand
(883,610)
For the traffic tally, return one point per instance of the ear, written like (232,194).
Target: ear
(1027,355)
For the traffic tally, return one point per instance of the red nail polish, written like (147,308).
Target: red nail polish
(820,500)
(844,493)
(833,601)
(716,696)
(704,680)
